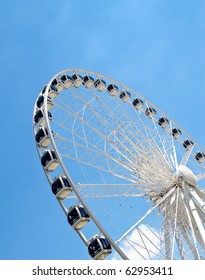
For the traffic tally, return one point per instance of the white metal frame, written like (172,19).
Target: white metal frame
(184,199)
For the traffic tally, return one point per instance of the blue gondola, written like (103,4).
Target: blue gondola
(125,96)
(78,217)
(163,122)
(40,101)
(112,89)
(99,248)
(77,80)
(88,81)
(52,91)
(199,156)
(187,143)
(49,160)
(61,187)
(137,103)
(39,118)
(57,83)
(67,81)
(176,133)
(150,112)
(100,84)
(44,89)
(42,138)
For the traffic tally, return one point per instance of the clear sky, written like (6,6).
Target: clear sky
(156,47)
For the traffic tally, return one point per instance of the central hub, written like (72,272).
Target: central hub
(187,175)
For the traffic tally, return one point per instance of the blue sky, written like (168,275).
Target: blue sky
(155,47)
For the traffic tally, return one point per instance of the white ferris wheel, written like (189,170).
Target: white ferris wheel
(129,180)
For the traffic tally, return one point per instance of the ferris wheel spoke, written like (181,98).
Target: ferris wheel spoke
(200,176)
(109,190)
(186,239)
(152,136)
(98,167)
(192,245)
(100,120)
(77,136)
(170,220)
(197,220)
(153,146)
(107,155)
(187,155)
(91,149)
(145,242)
(200,202)
(141,155)
(101,135)
(141,164)
(114,146)
(136,127)
(180,244)
(166,234)
(145,248)
(136,248)
(160,144)
(157,203)
(152,250)
(175,219)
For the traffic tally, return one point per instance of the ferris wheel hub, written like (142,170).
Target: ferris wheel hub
(186,175)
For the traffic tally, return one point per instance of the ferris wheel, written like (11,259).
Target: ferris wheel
(130,181)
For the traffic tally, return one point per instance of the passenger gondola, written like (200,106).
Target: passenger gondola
(78,217)
(163,122)
(112,89)
(176,133)
(44,89)
(199,156)
(52,91)
(125,96)
(88,81)
(42,137)
(137,103)
(187,143)
(67,81)
(150,112)
(99,248)
(100,84)
(39,118)
(40,101)
(49,160)
(61,187)
(57,83)
(77,80)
